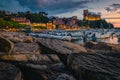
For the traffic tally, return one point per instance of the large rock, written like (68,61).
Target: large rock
(17,37)
(43,59)
(95,66)
(36,66)
(6,45)
(26,48)
(58,46)
(9,72)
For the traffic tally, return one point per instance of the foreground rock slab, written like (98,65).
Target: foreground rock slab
(62,47)
(95,66)
(6,45)
(9,72)
(37,66)
(17,37)
(26,48)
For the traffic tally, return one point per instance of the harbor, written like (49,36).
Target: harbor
(81,36)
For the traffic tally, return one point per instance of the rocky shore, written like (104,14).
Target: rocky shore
(27,58)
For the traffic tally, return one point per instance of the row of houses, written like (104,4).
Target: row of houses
(60,23)
(66,23)
(26,21)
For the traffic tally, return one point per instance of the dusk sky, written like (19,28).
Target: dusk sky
(66,8)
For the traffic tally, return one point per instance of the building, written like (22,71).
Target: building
(91,16)
(66,23)
(38,24)
(21,20)
(50,26)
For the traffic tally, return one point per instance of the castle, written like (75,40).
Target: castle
(91,16)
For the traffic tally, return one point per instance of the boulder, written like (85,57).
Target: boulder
(40,66)
(9,72)
(26,48)
(95,66)
(58,46)
(62,76)
(17,37)
(6,45)
(14,36)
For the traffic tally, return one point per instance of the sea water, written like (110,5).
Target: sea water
(112,40)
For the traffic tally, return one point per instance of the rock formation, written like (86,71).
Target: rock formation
(9,72)
(6,45)
(26,48)
(95,66)
(51,59)
(62,47)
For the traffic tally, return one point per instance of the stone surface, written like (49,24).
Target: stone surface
(58,46)
(26,48)
(20,57)
(42,59)
(95,66)
(9,72)
(41,66)
(17,37)
(6,45)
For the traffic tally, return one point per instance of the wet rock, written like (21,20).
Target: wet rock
(58,46)
(95,66)
(9,72)
(26,48)
(6,45)
(62,76)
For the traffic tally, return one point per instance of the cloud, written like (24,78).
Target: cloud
(54,6)
(115,7)
(13,6)
(50,6)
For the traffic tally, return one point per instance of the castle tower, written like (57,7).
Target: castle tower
(85,13)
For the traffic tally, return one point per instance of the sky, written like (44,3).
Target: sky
(109,9)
